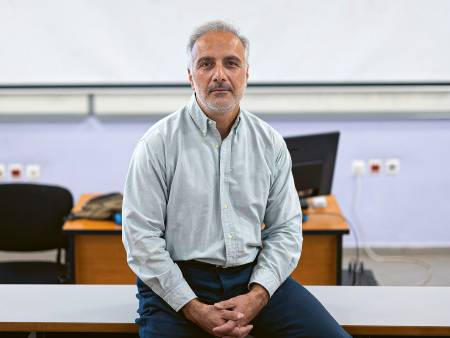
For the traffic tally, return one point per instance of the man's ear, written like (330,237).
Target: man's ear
(246,73)
(190,78)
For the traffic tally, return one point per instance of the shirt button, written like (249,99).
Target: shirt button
(216,145)
(225,206)
(230,235)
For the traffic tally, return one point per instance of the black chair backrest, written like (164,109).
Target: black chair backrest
(32,216)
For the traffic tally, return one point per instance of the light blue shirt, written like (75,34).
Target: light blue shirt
(189,195)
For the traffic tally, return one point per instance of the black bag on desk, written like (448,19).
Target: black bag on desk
(100,207)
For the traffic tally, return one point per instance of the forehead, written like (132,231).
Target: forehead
(217,45)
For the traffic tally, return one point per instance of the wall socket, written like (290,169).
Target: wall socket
(16,171)
(2,171)
(358,167)
(33,171)
(375,166)
(392,166)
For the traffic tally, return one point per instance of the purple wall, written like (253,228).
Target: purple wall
(410,209)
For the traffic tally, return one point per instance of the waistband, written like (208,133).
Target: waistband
(212,267)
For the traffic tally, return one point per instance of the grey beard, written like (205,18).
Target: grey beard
(219,109)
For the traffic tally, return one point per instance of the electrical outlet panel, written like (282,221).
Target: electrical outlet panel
(2,171)
(358,167)
(33,171)
(375,166)
(15,171)
(392,166)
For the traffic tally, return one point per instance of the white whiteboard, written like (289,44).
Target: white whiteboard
(138,41)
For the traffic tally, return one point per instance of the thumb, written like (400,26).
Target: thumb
(224,305)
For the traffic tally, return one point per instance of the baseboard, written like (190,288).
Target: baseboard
(403,250)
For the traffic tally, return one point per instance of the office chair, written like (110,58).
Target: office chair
(31,219)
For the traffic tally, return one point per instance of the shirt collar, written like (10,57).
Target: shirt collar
(202,120)
(197,114)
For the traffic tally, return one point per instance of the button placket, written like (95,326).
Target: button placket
(227,220)
(222,200)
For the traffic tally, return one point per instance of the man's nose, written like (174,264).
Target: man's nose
(219,74)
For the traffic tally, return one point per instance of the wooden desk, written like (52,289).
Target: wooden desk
(321,259)
(361,310)
(97,256)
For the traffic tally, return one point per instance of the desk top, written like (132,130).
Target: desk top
(326,219)
(319,220)
(89,224)
(112,308)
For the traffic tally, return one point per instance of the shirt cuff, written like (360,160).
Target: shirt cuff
(266,279)
(180,296)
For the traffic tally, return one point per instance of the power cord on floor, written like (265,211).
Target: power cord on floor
(355,266)
(385,259)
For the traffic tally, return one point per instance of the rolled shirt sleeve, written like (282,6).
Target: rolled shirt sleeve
(282,236)
(144,214)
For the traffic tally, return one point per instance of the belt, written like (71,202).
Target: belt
(211,267)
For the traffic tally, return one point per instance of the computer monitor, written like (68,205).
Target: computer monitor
(313,158)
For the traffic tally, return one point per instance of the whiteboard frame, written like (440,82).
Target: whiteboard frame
(303,100)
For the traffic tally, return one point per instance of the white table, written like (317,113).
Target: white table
(388,310)
(361,310)
(68,308)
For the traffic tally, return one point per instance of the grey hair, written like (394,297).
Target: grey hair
(215,26)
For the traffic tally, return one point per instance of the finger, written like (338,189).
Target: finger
(244,331)
(231,315)
(225,329)
(241,331)
(226,304)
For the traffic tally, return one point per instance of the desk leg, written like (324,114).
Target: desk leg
(339,259)
(70,259)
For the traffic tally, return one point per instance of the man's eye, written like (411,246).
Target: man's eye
(233,64)
(205,64)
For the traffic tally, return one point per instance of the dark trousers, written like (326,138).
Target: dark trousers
(291,312)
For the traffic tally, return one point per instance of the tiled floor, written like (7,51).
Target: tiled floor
(406,273)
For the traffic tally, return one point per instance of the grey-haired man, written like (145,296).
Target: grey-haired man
(201,183)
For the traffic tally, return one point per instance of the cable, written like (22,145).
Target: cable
(369,251)
(386,259)
(353,266)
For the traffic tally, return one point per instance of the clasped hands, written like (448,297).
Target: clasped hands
(230,318)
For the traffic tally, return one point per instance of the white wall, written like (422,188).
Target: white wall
(74,41)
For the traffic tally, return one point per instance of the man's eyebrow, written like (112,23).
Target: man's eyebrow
(204,58)
(233,57)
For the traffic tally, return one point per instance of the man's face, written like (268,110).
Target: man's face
(218,72)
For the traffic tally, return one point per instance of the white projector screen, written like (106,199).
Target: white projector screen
(138,41)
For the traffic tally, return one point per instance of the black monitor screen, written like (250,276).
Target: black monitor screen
(313,159)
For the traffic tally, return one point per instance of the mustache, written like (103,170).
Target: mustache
(219,85)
